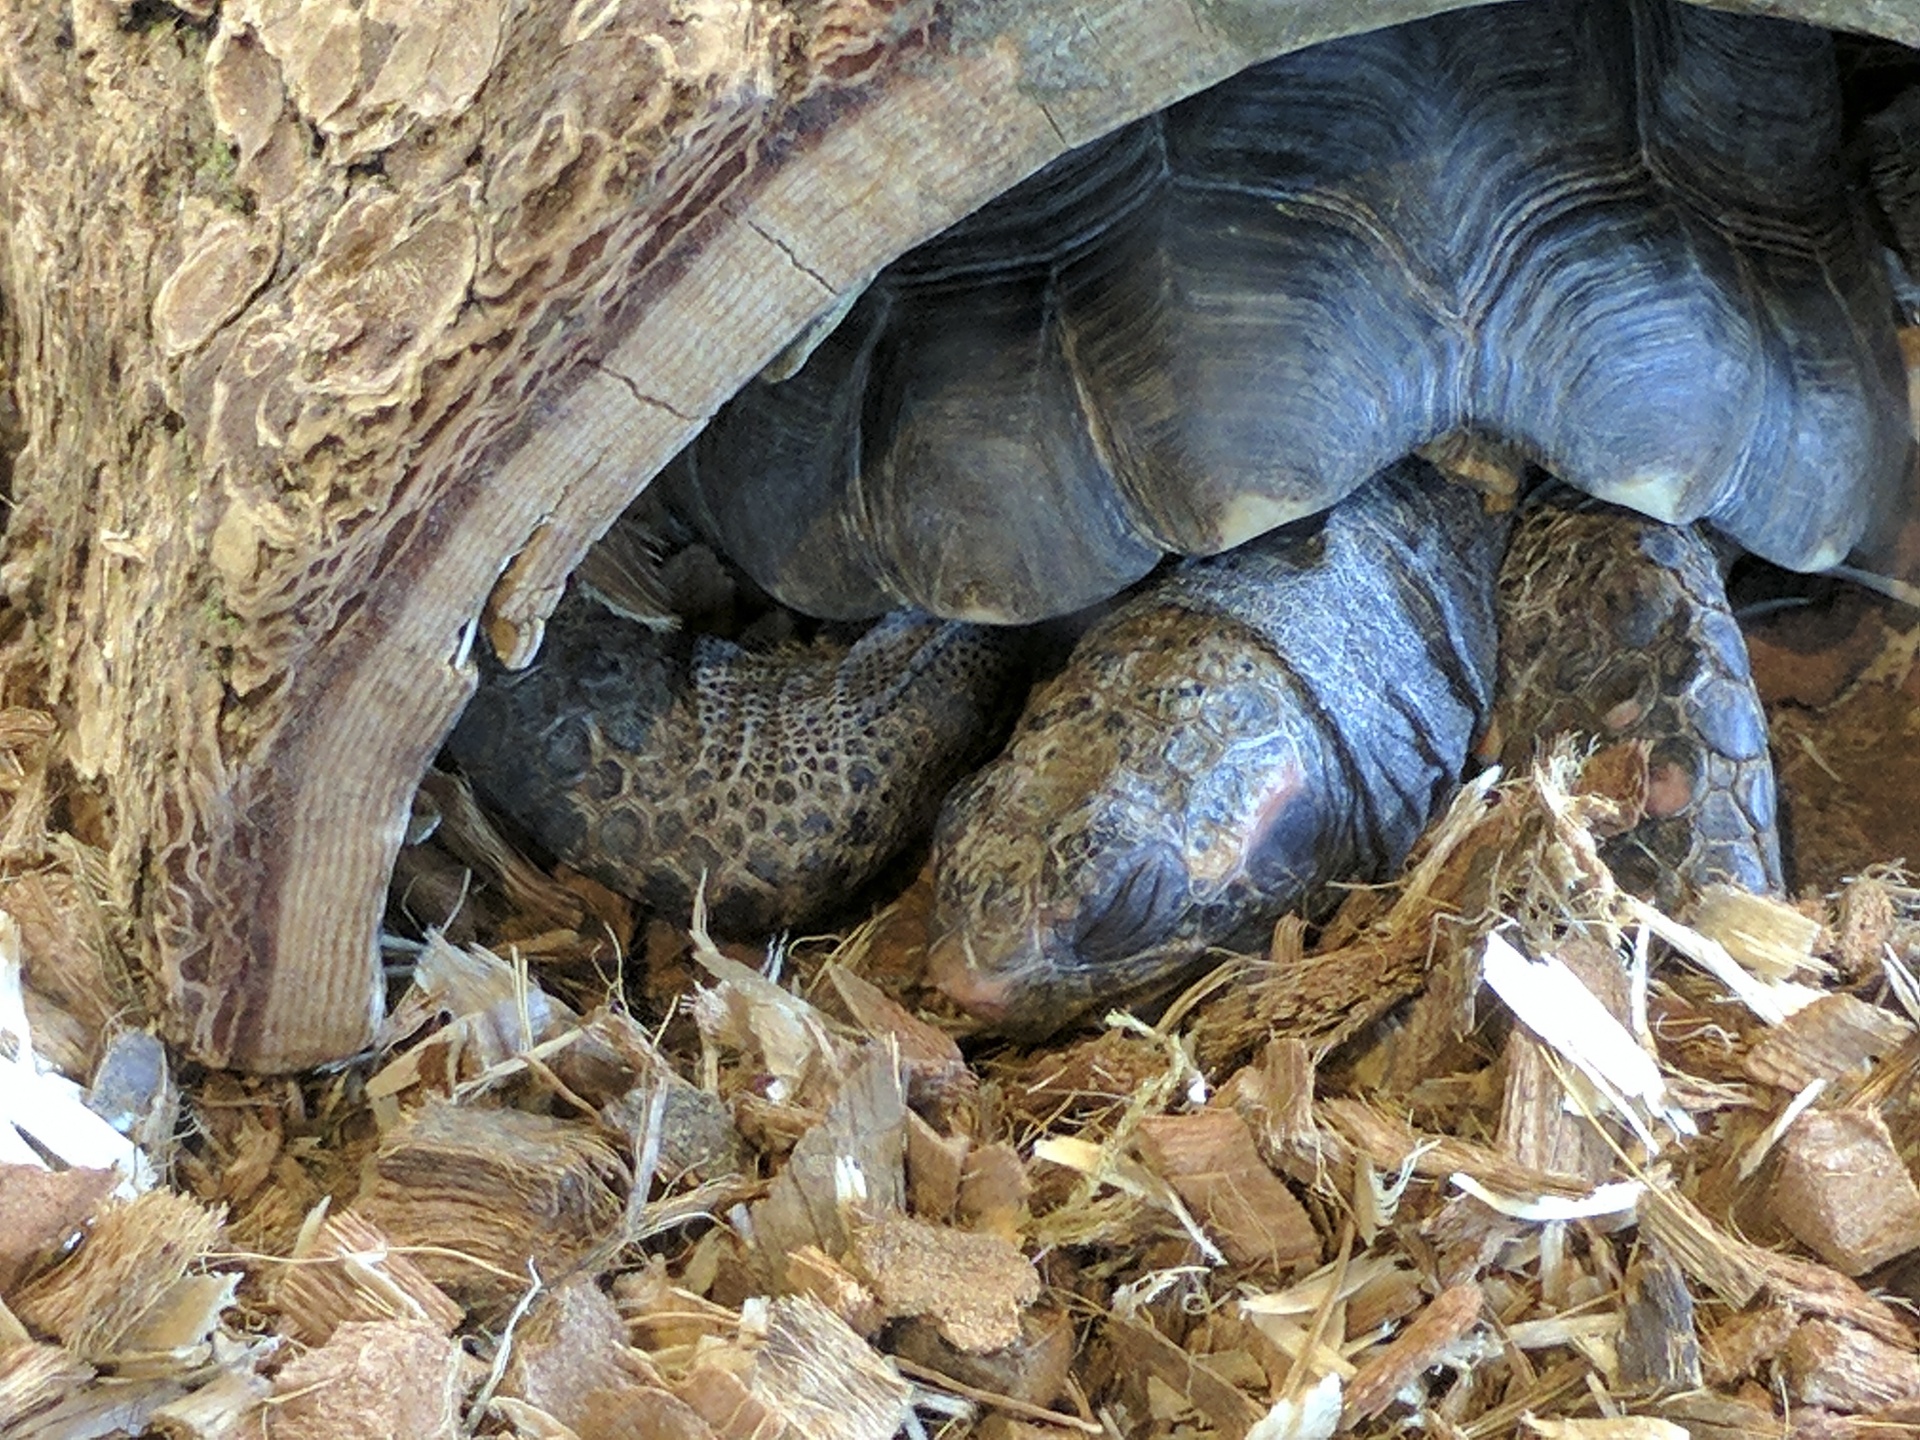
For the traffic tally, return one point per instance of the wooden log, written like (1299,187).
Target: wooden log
(329,325)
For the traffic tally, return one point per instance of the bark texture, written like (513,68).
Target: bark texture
(335,325)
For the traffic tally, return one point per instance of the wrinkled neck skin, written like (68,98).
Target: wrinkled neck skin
(1216,751)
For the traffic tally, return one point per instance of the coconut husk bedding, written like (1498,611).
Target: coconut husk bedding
(1500,1150)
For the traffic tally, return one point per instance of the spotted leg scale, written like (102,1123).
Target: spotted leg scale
(1615,627)
(784,780)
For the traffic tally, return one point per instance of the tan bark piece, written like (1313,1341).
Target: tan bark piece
(374,1382)
(35,1377)
(572,1347)
(1836,1036)
(1536,1129)
(1815,1289)
(1193,1380)
(927,1052)
(1274,1095)
(1385,1299)
(346,1269)
(1846,1369)
(1738,1347)
(803,1375)
(935,1163)
(641,1412)
(853,1159)
(1658,1346)
(1033,1370)
(1452,1314)
(1212,1163)
(136,1258)
(993,1191)
(39,1210)
(484,1192)
(1844,1192)
(973,1287)
(822,1278)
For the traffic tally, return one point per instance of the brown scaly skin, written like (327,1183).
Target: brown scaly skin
(1616,627)
(1217,749)
(649,761)
(1234,740)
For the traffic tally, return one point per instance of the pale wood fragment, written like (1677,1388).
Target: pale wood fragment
(1212,1163)
(1830,1364)
(1450,1316)
(374,1382)
(40,1210)
(481,1194)
(345,1269)
(851,1163)
(138,1255)
(820,1277)
(36,1377)
(570,1352)
(1835,1037)
(973,1286)
(1844,1191)
(1764,933)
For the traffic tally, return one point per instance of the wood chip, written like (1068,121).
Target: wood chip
(1657,1346)
(1032,1371)
(40,1210)
(1536,1128)
(1212,1163)
(1418,1348)
(803,1376)
(1195,1382)
(1765,934)
(822,1278)
(852,1162)
(344,1269)
(1846,1369)
(569,1350)
(993,1191)
(137,1255)
(478,1194)
(973,1287)
(1737,1348)
(1844,1192)
(372,1382)
(1836,1036)
(935,1163)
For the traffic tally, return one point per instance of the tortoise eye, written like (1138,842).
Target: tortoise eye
(1143,904)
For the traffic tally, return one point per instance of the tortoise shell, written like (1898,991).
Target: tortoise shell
(1615,232)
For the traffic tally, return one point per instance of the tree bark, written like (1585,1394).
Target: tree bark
(335,327)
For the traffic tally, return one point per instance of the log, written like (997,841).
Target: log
(336,332)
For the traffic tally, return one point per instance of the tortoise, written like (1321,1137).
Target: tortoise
(1615,234)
